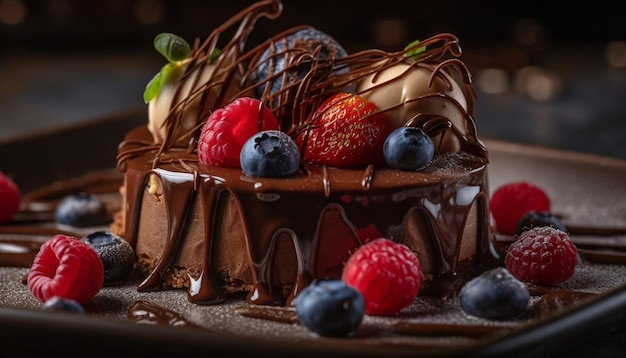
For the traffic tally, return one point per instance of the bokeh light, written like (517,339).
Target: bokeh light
(12,12)
(616,54)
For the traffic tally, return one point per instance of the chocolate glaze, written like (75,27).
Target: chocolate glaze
(443,197)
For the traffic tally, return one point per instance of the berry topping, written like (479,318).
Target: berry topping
(330,308)
(9,198)
(116,254)
(65,267)
(80,210)
(408,148)
(543,256)
(227,129)
(299,47)
(348,132)
(495,294)
(511,201)
(60,304)
(539,218)
(386,273)
(270,153)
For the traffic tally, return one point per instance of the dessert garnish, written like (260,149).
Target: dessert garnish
(511,201)
(227,129)
(386,273)
(535,218)
(347,131)
(270,153)
(116,254)
(542,255)
(330,308)
(408,148)
(81,210)
(66,267)
(307,47)
(494,294)
(9,198)
(61,304)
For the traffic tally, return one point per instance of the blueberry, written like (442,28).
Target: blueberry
(270,153)
(408,148)
(116,254)
(330,308)
(80,210)
(60,304)
(495,294)
(272,61)
(537,219)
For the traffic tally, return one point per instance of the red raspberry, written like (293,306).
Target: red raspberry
(66,267)
(386,273)
(511,201)
(9,198)
(227,129)
(543,256)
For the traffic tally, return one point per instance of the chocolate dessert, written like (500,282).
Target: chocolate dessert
(243,247)
(213,230)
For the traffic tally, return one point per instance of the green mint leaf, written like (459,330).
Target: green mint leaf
(414,53)
(173,47)
(152,88)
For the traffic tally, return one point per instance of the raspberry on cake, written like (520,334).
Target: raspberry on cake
(227,129)
(207,226)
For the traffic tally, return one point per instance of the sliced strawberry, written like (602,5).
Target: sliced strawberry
(347,131)
(227,129)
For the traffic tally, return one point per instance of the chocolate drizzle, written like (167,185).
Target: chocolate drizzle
(144,312)
(232,74)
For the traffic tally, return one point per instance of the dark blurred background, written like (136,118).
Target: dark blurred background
(547,73)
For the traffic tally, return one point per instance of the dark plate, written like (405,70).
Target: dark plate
(585,189)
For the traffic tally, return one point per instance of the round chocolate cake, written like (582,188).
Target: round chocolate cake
(215,230)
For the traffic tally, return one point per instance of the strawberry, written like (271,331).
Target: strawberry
(543,256)
(347,131)
(386,273)
(9,198)
(227,129)
(66,267)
